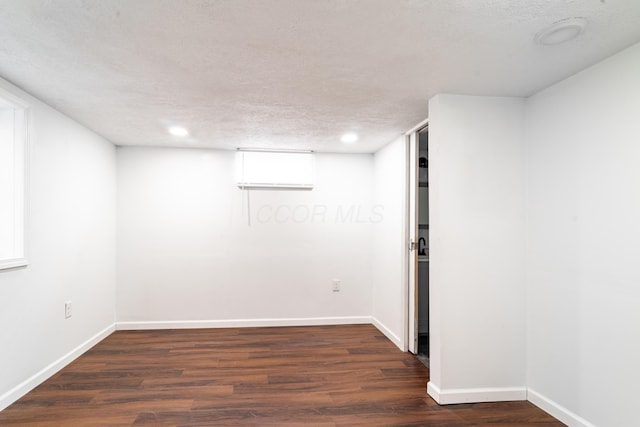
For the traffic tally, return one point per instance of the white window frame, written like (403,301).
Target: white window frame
(21,174)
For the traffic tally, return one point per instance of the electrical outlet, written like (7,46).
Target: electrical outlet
(336,285)
(67,309)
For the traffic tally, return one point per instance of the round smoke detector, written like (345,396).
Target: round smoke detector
(561,31)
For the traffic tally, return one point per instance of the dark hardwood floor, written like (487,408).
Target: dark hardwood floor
(314,376)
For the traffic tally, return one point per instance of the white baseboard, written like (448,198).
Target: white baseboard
(241,323)
(475,395)
(556,410)
(35,380)
(387,332)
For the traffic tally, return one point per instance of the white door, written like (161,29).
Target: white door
(412,222)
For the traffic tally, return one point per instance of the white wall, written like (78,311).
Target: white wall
(71,245)
(389,237)
(188,257)
(477,291)
(583,245)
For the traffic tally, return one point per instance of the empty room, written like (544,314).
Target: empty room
(319,212)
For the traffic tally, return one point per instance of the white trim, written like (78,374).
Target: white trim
(8,99)
(26,183)
(38,378)
(241,323)
(423,124)
(273,150)
(503,394)
(6,264)
(16,101)
(433,391)
(475,395)
(405,246)
(556,410)
(387,333)
(263,186)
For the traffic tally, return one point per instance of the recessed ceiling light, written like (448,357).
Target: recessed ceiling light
(349,138)
(178,131)
(561,31)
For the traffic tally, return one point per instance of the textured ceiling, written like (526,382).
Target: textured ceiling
(288,73)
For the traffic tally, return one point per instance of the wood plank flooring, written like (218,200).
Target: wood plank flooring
(321,376)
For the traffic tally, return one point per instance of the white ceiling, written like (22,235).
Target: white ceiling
(288,73)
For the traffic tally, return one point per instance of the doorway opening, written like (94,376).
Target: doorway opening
(423,246)
(418,233)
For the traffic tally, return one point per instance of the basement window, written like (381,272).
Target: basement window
(261,169)
(13,171)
